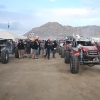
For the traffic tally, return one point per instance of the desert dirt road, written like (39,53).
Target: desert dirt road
(43,79)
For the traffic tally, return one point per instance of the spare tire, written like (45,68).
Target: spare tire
(16,53)
(4,56)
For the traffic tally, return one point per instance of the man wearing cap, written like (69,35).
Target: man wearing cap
(48,47)
(35,47)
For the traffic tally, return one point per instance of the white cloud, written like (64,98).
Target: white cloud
(66,13)
(70,16)
(70,12)
(91,4)
(21,22)
(52,0)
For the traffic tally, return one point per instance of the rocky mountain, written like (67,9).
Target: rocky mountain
(54,30)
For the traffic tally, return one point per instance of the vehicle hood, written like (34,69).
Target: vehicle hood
(87,48)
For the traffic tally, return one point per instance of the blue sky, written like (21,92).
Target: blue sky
(23,15)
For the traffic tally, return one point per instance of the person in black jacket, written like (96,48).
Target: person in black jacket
(28,47)
(35,47)
(48,47)
(23,48)
(53,48)
(20,48)
(31,46)
(39,48)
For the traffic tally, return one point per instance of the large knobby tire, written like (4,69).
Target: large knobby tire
(62,53)
(58,49)
(4,56)
(16,53)
(74,64)
(67,57)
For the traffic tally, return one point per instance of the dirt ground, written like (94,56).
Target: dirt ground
(43,79)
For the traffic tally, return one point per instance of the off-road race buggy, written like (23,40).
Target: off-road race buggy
(83,53)
(6,48)
(67,48)
(60,45)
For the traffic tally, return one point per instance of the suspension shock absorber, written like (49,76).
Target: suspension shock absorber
(81,56)
(99,55)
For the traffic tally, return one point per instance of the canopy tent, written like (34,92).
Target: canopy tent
(9,35)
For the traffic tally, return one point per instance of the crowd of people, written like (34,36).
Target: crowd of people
(32,49)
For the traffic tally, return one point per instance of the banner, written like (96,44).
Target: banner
(30,36)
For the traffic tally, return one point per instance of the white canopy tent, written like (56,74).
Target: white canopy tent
(9,35)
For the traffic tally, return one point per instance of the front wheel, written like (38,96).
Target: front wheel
(74,64)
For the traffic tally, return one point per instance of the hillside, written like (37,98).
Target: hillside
(54,29)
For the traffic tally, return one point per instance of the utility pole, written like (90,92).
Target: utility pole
(8,24)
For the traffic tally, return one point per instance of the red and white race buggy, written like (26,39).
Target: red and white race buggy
(83,53)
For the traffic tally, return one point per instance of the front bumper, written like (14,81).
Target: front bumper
(89,62)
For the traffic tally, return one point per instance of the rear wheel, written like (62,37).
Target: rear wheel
(74,64)
(4,56)
(59,50)
(62,53)
(67,57)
